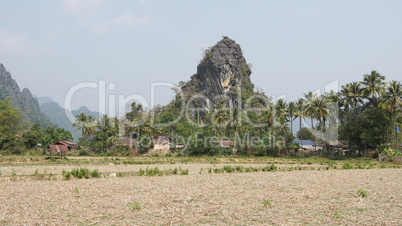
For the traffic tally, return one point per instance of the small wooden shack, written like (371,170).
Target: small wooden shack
(62,147)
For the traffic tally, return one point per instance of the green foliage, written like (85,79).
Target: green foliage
(95,174)
(347,165)
(10,125)
(337,214)
(184,172)
(83,152)
(306,134)
(266,203)
(362,193)
(134,206)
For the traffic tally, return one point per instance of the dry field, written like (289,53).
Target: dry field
(296,197)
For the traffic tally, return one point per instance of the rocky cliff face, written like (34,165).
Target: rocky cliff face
(22,100)
(221,74)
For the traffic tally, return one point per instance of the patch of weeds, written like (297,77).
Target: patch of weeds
(309,163)
(175,171)
(312,168)
(362,193)
(119,174)
(184,172)
(228,169)
(142,172)
(359,166)
(95,174)
(36,173)
(76,191)
(1,173)
(382,165)
(266,203)
(80,173)
(347,165)
(200,171)
(136,206)
(337,214)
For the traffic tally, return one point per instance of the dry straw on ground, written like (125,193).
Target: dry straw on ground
(297,197)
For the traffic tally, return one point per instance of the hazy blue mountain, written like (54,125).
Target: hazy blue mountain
(57,115)
(43,100)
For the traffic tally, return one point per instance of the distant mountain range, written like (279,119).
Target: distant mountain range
(42,110)
(22,100)
(57,114)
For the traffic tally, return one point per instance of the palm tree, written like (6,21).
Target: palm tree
(268,117)
(281,115)
(291,113)
(320,109)
(373,85)
(352,95)
(300,114)
(85,124)
(308,111)
(221,118)
(103,124)
(392,99)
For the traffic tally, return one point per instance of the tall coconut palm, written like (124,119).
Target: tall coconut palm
(300,114)
(320,109)
(281,115)
(308,111)
(352,96)
(392,99)
(291,113)
(221,118)
(268,117)
(103,124)
(373,85)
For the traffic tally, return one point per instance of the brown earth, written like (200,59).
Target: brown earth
(297,197)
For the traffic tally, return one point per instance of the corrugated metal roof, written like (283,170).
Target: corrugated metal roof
(58,148)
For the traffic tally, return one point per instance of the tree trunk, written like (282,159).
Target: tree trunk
(301,134)
(394,129)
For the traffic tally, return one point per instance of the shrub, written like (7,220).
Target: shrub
(142,172)
(175,171)
(95,173)
(83,152)
(362,193)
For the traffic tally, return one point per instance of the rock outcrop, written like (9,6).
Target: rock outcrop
(22,100)
(221,74)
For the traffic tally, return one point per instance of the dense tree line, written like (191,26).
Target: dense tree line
(363,114)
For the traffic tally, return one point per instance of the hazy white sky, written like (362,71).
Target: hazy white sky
(294,46)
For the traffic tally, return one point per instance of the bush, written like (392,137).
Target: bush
(83,152)
(95,173)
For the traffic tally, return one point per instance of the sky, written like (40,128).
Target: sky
(60,48)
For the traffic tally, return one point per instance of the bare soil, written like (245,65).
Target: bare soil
(297,197)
